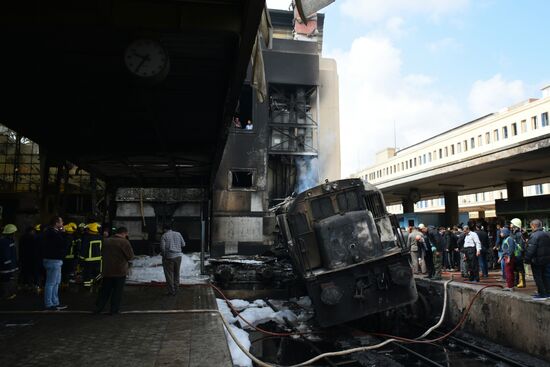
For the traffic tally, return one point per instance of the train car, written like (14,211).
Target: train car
(348,250)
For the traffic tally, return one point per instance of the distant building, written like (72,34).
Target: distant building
(509,128)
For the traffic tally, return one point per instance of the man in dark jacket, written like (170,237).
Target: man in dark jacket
(485,245)
(8,262)
(538,255)
(54,249)
(435,243)
(116,253)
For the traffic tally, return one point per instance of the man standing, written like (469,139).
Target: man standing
(427,250)
(484,240)
(519,267)
(90,253)
(434,243)
(54,250)
(415,244)
(116,253)
(171,245)
(472,249)
(8,262)
(538,255)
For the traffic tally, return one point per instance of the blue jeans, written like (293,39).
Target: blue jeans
(53,278)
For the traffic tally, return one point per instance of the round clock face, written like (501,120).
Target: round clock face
(145,58)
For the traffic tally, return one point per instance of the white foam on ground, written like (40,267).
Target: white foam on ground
(239,358)
(256,316)
(258,312)
(147,269)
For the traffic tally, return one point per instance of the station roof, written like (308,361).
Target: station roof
(67,88)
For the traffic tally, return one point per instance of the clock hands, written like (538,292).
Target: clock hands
(143,60)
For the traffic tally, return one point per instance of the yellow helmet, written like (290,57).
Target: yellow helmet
(70,227)
(9,229)
(93,227)
(38,227)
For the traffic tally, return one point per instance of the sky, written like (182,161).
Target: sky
(410,69)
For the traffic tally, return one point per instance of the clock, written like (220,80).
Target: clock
(147,59)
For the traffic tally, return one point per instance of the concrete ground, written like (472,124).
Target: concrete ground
(77,337)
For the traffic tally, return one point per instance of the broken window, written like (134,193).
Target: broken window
(322,208)
(242,179)
(348,202)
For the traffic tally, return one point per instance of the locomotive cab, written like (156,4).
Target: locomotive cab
(348,250)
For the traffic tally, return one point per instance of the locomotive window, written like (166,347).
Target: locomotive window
(348,202)
(322,208)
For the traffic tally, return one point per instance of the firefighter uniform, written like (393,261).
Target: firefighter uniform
(90,254)
(69,262)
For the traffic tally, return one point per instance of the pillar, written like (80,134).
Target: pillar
(44,175)
(408,205)
(451,208)
(93,196)
(514,189)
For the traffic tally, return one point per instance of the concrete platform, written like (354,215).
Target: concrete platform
(136,337)
(512,319)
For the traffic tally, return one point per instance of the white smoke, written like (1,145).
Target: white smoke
(307,173)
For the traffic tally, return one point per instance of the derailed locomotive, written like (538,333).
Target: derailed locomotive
(348,251)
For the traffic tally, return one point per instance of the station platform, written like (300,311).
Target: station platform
(153,329)
(510,318)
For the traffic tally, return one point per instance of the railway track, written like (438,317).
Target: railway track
(451,351)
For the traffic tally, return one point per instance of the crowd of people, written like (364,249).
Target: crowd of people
(477,247)
(47,258)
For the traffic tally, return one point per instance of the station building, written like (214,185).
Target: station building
(522,190)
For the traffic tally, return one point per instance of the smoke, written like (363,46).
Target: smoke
(307,173)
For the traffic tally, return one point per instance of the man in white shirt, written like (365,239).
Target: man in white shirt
(472,249)
(171,245)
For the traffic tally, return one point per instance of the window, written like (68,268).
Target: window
(538,189)
(523,126)
(322,208)
(505,132)
(465,145)
(415,162)
(446,151)
(348,202)
(402,166)
(429,157)
(544,119)
(487,138)
(452,149)
(479,141)
(495,135)
(441,153)
(459,147)
(424,158)
(242,179)
(534,123)
(406,164)
(472,143)
(514,129)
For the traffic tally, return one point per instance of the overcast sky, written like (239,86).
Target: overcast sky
(426,66)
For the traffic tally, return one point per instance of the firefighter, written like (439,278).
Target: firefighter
(69,263)
(90,253)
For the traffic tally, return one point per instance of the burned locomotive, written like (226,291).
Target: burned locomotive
(348,250)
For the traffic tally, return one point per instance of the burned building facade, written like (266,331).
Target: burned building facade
(286,144)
